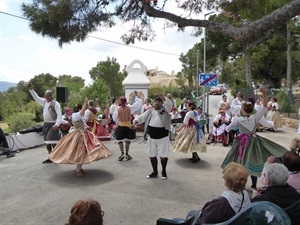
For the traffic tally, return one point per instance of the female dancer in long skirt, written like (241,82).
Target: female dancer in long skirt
(190,137)
(80,146)
(250,149)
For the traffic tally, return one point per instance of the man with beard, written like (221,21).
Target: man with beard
(157,123)
(52,118)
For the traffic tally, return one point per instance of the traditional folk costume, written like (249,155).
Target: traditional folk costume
(236,105)
(250,149)
(95,126)
(52,116)
(124,133)
(157,125)
(174,115)
(80,146)
(66,122)
(220,122)
(146,107)
(263,121)
(190,138)
(274,115)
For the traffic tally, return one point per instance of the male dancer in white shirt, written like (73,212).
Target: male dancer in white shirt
(52,118)
(157,123)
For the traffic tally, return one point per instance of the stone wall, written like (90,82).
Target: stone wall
(290,122)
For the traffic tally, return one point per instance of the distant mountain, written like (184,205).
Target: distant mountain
(5,85)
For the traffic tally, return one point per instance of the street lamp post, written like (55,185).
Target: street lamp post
(204,70)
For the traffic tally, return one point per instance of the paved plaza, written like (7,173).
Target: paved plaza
(33,193)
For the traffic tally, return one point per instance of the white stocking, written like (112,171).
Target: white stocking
(78,167)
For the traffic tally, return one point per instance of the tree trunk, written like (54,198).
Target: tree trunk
(248,68)
(289,58)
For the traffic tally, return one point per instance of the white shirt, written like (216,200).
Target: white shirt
(112,109)
(155,117)
(175,116)
(136,106)
(275,105)
(222,102)
(88,112)
(189,115)
(46,114)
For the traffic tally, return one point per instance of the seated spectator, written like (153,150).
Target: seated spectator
(86,213)
(231,201)
(292,162)
(277,190)
(295,145)
(106,120)
(4,145)
(219,124)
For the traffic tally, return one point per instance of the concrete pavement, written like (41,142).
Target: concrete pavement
(33,193)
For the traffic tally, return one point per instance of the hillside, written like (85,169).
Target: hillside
(5,85)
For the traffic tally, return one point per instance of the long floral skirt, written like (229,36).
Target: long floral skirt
(186,141)
(255,154)
(79,147)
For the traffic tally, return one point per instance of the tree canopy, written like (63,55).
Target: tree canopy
(69,21)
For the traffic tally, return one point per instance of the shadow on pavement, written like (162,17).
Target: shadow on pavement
(186,163)
(93,177)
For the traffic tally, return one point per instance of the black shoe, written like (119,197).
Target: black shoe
(128,157)
(196,160)
(121,157)
(152,175)
(164,175)
(47,161)
(9,155)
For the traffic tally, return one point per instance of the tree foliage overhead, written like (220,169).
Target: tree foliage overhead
(73,20)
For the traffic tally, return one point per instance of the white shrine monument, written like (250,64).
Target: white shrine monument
(136,80)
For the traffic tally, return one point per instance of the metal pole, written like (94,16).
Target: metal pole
(197,75)
(204,70)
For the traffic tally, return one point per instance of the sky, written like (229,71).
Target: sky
(24,54)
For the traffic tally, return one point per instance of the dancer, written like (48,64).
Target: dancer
(52,118)
(91,119)
(249,149)
(122,117)
(263,121)
(174,116)
(157,124)
(236,103)
(274,114)
(190,137)
(147,105)
(79,146)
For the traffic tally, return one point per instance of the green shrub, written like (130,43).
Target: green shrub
(286,103)
(20,121)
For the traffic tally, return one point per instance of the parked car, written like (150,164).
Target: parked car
(224,87)
(216,90)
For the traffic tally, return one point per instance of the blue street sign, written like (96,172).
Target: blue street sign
(208,79)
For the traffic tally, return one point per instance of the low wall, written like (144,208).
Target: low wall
(289,122)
